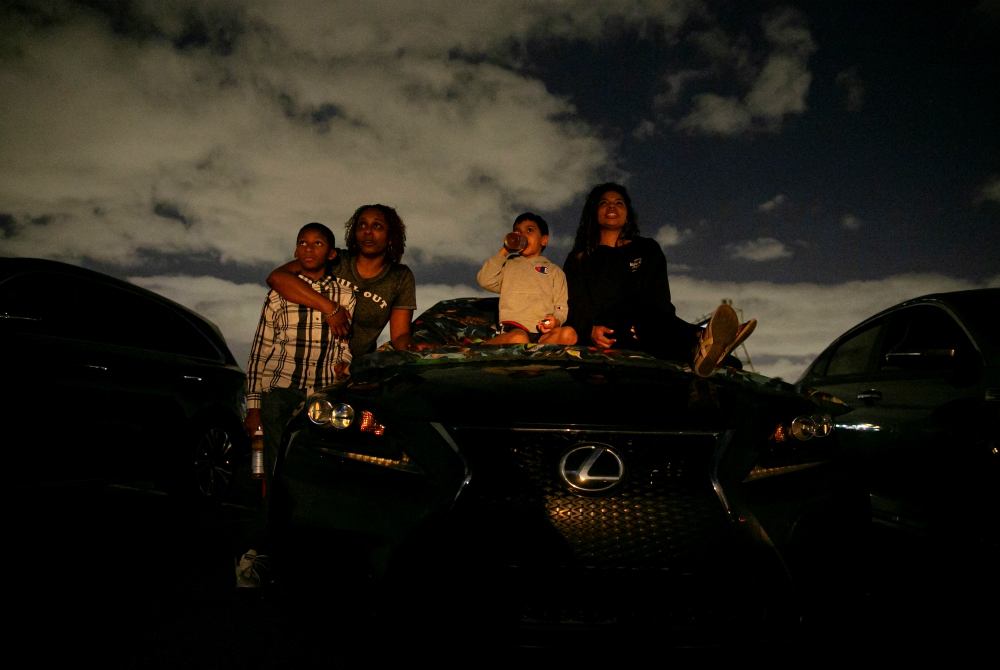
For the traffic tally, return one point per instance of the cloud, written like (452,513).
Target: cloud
(772,204)
(215,128)
(853,88)
(850,222)
(779,86)
(796,322)
(644,131)
(991,190)
(671,236)
(759,250)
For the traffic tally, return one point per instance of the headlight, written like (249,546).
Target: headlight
(803,428)
(322,413)
(824,424)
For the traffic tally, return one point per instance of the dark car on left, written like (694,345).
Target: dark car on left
(105,381)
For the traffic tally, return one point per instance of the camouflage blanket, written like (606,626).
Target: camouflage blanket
(452,331)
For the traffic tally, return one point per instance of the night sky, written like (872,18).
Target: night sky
(815,162)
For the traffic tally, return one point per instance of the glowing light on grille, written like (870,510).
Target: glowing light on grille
(375,460)
(370,425)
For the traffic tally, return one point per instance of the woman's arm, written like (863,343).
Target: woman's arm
(286,283)
(399,329)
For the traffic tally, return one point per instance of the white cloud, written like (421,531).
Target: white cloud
(315,108)
(671,236)
(717,115)
(991,190)
(772,204)
(850,222)
(796,322)
(778,88)
(761,249)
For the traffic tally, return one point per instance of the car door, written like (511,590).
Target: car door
(103,375)
(844,371)
(928,382)
(54,382)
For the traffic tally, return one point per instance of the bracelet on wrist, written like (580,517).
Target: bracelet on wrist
(337,309)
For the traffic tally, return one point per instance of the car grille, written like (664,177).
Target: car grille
(665,513)
(659,548)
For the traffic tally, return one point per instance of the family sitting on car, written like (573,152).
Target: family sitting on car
(324,309)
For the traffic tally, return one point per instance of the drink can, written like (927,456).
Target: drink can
(257,455)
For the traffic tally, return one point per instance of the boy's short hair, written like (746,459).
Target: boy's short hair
(543,227)
(322,230)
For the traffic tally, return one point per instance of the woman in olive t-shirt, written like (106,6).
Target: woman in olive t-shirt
(385,290)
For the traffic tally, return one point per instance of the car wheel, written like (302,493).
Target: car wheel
(214,463)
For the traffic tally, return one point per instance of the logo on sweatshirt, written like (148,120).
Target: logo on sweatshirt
(541,269)
(635,264)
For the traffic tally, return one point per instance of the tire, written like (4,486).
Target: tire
(211,471)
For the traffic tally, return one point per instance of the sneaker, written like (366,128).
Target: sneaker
(716,339)
(741,335)
(249,570)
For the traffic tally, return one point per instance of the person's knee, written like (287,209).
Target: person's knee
(567,336)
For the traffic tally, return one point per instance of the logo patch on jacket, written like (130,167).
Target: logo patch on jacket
(635,264)
(541,269)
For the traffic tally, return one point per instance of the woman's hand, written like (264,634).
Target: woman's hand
(599,335)
(547,324)
(340,323)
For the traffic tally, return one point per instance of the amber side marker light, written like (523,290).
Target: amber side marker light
(370,425)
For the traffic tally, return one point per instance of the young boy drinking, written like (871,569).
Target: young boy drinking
(295,351)
(532,289)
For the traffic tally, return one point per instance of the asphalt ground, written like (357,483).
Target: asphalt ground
(126,576)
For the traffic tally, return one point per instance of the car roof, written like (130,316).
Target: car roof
(12,267)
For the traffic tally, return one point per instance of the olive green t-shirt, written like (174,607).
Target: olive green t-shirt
(375,298)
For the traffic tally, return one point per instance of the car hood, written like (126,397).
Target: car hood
(560,386)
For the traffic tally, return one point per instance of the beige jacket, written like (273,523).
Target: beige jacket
(529,288)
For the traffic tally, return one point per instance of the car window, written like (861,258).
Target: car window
(852,355)
(43,297)
(118,316)
(78,308)
(923,328)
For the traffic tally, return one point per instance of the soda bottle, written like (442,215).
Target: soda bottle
(515,242)
(257,455)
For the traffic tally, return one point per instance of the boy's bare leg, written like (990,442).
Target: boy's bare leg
(515,336)
(562,335)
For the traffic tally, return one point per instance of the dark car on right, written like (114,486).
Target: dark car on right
(923,379)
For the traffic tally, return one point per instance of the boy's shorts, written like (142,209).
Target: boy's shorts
(507,326)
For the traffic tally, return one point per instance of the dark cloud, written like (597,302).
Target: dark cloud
(167,210)
(8,224)
(853,88)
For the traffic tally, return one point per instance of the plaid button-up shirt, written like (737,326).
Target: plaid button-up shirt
(294,347)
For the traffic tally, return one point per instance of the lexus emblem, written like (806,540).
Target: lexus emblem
(592,468)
